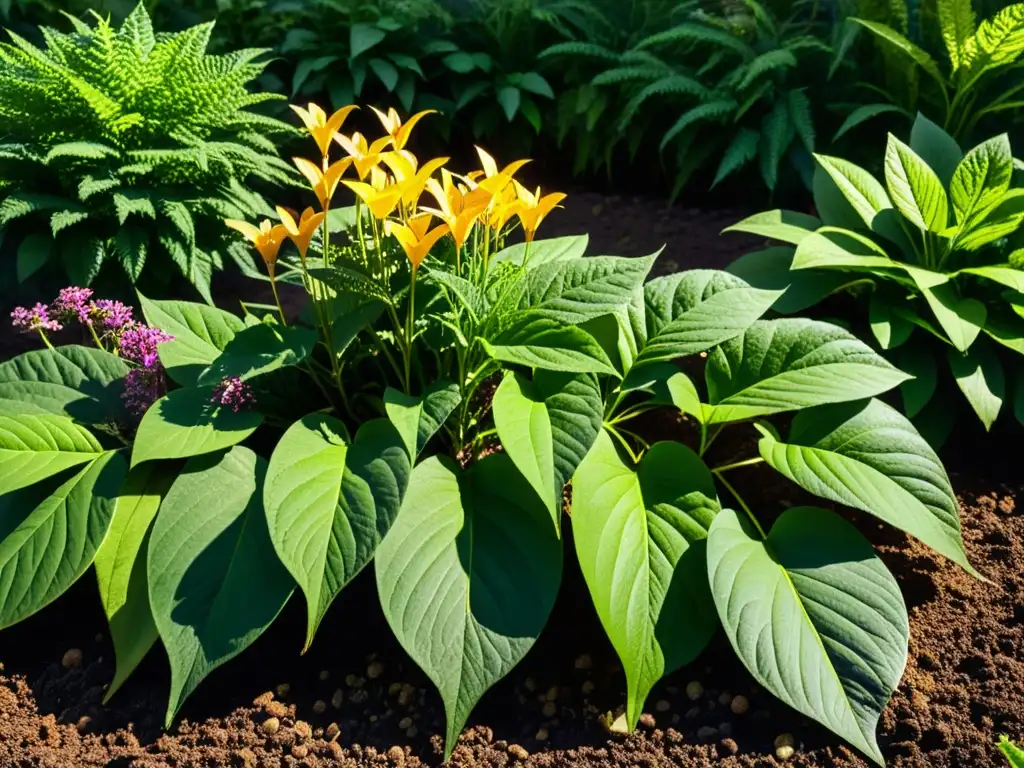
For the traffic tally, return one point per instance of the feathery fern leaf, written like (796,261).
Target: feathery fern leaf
(580,50)
(672,85)
(717,110)
(741,151)
(766,62)
(61,220)
(627,74)
(699,33)
(79,150)
(803,121)
(777,133)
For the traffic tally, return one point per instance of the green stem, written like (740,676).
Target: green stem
(277,299)
(95,338)
(615,433)
(46,341)
(408,333)
(738,464)
(741,502)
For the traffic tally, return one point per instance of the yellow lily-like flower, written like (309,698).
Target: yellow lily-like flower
(502,208)
(416,237)
(267,238)
(396,129)
(324,181)
(458,207)
(408,175)
(490,177)
(531,208)
(301,232)
(380,197)
(364,156)
(320,125)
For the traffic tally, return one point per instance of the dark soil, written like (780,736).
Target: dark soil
(963,686)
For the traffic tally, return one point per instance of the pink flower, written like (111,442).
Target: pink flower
(233,393)
(35,319)
(138,344)
(111,315)
(73,304)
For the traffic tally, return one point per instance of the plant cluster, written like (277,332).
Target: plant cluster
(934,254)
(126,147)
(427,410)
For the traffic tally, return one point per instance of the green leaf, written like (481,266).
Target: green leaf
(79,150)
(868,456)
(215,583)
(121,568)
(980,376)
(467,577)
(200,334)
(771,270)
(890,329)
(418,419)
(575,291)
(640,536)
(540,342)
(982,177)
(915,189)
(330,501)
(918,391)
(535,83)
(509,98)
(814,615)
(385,71)
(260,349)
(459,62)
(920,56)
(1011,752)
(741,150)
(961,319)
(546,427)
(787,226)
(862,190)
(831,248)
(956,21)
(363,37)
(49,534)
(937,148)
(33,253)
(789,364)
(83,383)
(186,423)
(543,251)
(35,446)
(864,113)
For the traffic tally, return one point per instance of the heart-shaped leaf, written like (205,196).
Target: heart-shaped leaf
(640,538)
(467,577)
(814,615)
(35,446)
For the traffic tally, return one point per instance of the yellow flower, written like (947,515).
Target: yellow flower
(502,208)
(394,127)
(267,238)
(301,231)
(365,157)
(323,181)
(490,177)
(458,207)
(416,237)
(531,208)
(408,175)
(380,197)
(320,125)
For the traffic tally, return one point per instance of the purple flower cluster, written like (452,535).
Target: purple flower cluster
(143,387)
(110,315)
(233,393)
(35,319)
(73,304)
(138,344)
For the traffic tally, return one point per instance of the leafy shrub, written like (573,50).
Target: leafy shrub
(974,76)
(122,146)
(930,252)
(421,349)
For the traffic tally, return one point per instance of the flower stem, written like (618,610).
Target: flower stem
(46,341)
(277,299)
(95,338)
(408,333)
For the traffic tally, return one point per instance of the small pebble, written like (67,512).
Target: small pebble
(271,726)
(324,675)
(518,752)
(405,723)
(725,698)
(332,732)
(706,733)
(319,707)
(303,729)
(662,706)
(407,694)
(542,734)
(396,755)
(647,721)
(299,751)
(374,718)
(552,694)
(785,740)
(283,689)
(587,688)
(784,752)
(375,670)
(729,746)
(739,705)
(550,709)
(694,690)
(530,685)
(337,698)
(72,659)
(411,731)
(584,661)
(247,756)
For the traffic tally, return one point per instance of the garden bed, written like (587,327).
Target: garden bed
(963,686)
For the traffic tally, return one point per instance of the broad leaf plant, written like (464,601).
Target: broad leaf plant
(427,410)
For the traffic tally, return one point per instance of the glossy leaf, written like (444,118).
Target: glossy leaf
(915,189)
(772,270)
(786,226)
(961,318)
(640,538)
(982,177)
(575,291)
(937,148)
(918,391)
(540,342)
(34,447)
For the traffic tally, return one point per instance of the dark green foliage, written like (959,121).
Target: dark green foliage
(131,147)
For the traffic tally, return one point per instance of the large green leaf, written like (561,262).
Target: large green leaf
(81,382)
(815,616)
(914,187)
(121,568)
(34,446)
(787,226)
(640,538)
(467,577)
(789,364)
(575,291)
(961,318)
(772,270)
(1013,753)
(834,248)
(867,455)
(419,418)
(547,426)
(329,502)
(49,534)
(186,423)
(980,376)
(956,21)
(215,583)
(200,334)
(543,251)
(260,349)
(540,342)
(862,191)
(982,177)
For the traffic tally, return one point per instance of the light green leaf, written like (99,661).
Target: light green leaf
(543,251)
(920,56)
(329,503)
(419,418)
(980,376)
(771,270)
(1002,219)
(540,342)
(937,148)
(982,178)
(200,334)
(789,364)
(915,189)
(121,568)
(814,615)
(1011,752)
(841,249)
(258,350)
(961,319)
(787,226)
(868,456)
(890,329)
(185,423)
(861,190)
(35,446)
(640,538)
(546,427)
(575,291)
(956,21)
(83,383)
(215,583)
(467,577)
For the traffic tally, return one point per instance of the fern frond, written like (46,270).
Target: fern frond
(21,204)
(579,50)
(627,74)
(699,33)
(718,110)
(777,132)
(90,186)
(998,42)
(178,214)
(765,63)
(133,201)
(63,219)
(79,150)
(740,151)
(803,120)
(672,85)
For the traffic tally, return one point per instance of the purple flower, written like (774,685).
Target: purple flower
(233,393)
(111,315)
(35,319)
(73,304)
(143,387)
(138,344)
